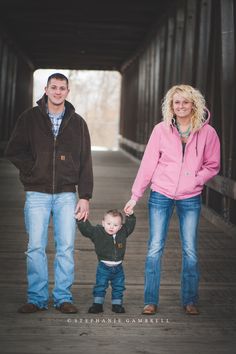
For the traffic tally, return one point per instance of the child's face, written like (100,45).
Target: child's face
(111,224)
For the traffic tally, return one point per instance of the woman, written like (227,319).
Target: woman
(182,154)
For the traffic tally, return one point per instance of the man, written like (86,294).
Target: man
(50,146)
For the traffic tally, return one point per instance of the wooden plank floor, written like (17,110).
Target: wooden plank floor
(170,331)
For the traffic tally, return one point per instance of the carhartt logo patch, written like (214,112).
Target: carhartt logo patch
(63,157)
(119,245)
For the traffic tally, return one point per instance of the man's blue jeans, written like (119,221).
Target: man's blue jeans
(38,209)
(160,212)
(117,278)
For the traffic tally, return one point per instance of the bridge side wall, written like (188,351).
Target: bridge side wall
(195,44)
(16,86)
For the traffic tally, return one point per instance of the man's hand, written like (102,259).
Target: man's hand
(82,210)
(129,207)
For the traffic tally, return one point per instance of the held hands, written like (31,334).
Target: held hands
(128,209)
(82,210)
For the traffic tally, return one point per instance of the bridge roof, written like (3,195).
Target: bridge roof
(98,35)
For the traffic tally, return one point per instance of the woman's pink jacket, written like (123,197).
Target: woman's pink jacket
(170,172)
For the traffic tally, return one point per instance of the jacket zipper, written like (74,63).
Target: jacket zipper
(114,241)
(54,165)
(54,159)
(182,162)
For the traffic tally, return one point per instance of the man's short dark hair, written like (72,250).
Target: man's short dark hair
(114,212)
(58,76)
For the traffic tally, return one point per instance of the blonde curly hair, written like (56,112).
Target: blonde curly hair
(191,94)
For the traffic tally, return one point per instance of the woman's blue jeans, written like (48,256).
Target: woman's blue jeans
(160,212)
(38,209)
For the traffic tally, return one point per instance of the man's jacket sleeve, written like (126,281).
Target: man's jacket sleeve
(18,147)
(85,183)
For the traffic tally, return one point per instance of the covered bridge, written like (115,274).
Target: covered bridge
(153,44)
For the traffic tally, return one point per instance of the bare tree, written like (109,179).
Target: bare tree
(96,96)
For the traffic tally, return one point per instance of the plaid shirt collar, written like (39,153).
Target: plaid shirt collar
(56,120)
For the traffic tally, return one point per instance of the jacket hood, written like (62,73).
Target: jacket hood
(206,120)
(42,103)
(207,116)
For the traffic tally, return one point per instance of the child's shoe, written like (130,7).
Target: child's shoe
(118,309)
(95,308)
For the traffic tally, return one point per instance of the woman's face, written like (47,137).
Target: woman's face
(182,107)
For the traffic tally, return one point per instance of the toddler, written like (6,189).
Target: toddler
(110,244)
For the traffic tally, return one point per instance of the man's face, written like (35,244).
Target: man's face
(57,91)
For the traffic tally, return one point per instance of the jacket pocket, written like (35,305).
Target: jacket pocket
(41,171)
(189,183)
(164,177)
(199,179)
(67,171)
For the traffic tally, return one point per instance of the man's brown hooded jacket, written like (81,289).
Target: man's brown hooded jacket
(48,164)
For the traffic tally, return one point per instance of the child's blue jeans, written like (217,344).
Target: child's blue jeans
(114,275)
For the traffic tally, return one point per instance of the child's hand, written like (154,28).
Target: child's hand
(128,209)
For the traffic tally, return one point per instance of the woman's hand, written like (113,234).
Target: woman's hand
(128,209)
